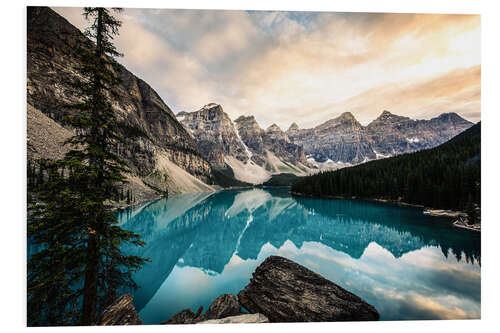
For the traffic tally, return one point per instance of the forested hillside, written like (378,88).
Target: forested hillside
(447,176)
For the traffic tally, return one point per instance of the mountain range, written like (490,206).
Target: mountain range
(254,154)
(188,152)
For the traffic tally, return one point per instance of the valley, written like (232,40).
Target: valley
(193,151)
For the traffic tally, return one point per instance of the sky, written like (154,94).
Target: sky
(304,67)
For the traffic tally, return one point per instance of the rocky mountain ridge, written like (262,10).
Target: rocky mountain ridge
(253,154)
(343,140)
(246,148)
(160,143)
(214,133)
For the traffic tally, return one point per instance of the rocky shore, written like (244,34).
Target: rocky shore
(280,290)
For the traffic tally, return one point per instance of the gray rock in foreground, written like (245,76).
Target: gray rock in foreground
(285,291)
(253,318)
(121,312)
(225,305)
(186,316)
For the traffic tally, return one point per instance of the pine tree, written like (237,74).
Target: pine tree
(94,174)
(53,270)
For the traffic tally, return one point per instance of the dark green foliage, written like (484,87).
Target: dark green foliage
(282,179)
(80,264)
(447,176)
(54,272)
(225,178)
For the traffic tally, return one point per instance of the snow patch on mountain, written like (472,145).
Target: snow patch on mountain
(379,155)
(326,165)
(413,140)
(249,153)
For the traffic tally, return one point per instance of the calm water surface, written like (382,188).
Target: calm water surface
(406,264)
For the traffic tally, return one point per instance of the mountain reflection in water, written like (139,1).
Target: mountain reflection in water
(408,265)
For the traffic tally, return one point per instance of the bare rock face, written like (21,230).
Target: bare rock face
(226,305)
(251,133)
(217,138)
(184,317)
(254,318)
(391,134)
(273,139)
(121,312)
(52,56)
(214,133)
(340,139)
(285,291)
(344,139)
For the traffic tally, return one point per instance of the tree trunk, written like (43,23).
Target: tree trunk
(90,288)
(90,284)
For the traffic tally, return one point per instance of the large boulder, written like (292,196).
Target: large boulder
(285,291)
(121,312)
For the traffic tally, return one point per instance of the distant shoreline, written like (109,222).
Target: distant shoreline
(455,223)
(339,197)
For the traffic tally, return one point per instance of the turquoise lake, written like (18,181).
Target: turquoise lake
(408,265)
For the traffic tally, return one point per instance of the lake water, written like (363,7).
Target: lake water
(408,265)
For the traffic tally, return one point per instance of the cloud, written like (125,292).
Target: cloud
(456,91)
(305,67)
(351,54)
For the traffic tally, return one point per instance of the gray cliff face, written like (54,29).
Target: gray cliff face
(214,133)
(217,137)
(273,139)
(52,45)
(339,139)
(251,133)
(393,135)
(344,139)
(279,143)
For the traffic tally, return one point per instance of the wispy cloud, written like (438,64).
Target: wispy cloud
(305,67)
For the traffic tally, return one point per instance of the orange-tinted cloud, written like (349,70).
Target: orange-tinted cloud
(305,67)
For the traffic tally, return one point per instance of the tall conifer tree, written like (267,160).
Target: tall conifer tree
(94,174)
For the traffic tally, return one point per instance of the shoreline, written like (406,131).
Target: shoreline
(339,197)
(427,211)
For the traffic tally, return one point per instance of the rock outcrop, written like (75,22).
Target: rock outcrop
(52,56)
(214,133)
(280,290)
(185,316)
(344,140)
(254,318)
(272,140)
(226,305)
(121,312)
(285,291)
